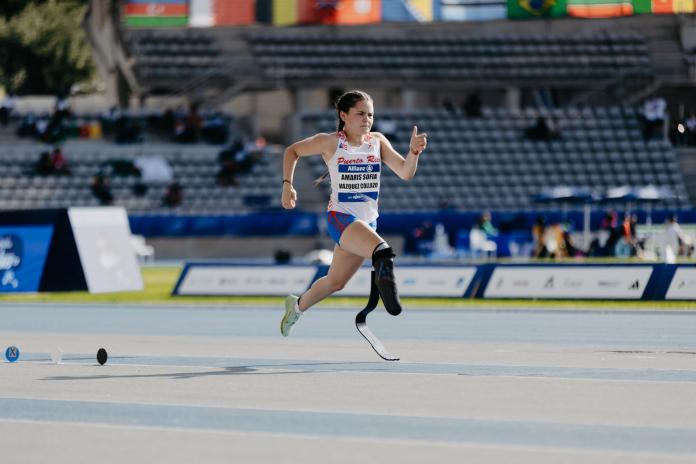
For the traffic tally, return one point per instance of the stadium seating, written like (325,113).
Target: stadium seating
(194,168)
(170,58)
(518,58)
(486,163)
(471,164)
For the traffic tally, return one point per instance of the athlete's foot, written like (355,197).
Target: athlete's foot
(383,262)
(292,314)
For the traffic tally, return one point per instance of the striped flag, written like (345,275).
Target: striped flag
(599,8)
(152,13)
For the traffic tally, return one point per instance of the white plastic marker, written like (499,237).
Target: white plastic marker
(57,356)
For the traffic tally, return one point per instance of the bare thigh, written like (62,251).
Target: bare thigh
(360,239)
(344,265)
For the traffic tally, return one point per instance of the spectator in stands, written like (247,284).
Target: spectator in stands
(27,126)
(189,130)
(610,223)
(41,128)
(101,189)
(630,235)
(539,236)
(486,226)
(58,162)
(472,106)
(419,237)
(61,109)
(679,134)
(55,129)
(227,175)
(482,234)
(140,189)
(690,124)
(449,106)
(168,122)
(446,203)
(127,129)
(654,114)
(353,155)
(568,246)
(43,166)
(108,120)
(676,242)
(174,195)
(7,108)
(542,131)
(215,129)
(51,163)
(252,154)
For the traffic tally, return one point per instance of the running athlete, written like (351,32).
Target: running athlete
(354,158)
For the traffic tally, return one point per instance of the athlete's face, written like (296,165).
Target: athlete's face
(358,120)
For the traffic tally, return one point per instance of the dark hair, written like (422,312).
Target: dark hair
(348,100)
(344,103)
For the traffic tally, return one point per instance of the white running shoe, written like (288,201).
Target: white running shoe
(292,314)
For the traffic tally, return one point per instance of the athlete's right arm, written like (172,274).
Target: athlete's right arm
(318,144)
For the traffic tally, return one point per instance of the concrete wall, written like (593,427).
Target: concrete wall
(250,247)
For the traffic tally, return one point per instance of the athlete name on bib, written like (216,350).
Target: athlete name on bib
(358,182)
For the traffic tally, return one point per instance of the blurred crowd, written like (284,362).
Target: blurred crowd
(172,125)
(614,237)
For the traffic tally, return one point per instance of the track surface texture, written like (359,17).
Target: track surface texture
(212,384)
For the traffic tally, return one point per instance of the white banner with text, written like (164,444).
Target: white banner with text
(562,282)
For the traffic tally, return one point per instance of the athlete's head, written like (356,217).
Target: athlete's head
(355,112)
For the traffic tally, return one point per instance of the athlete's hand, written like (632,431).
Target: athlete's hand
(418,142)
(289,197)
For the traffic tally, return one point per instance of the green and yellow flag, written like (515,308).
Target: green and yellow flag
(530,9)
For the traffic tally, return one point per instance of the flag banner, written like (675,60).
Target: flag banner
(599,8)
(340,11)
(408,10)
(156,9)
(285,12)
(157,21)
(528,9)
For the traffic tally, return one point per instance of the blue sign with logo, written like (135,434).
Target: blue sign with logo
(23,251)
(359,167)
(12,354)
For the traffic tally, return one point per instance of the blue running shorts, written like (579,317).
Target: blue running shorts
(338,223)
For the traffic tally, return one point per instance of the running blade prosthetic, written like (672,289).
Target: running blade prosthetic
(361,324)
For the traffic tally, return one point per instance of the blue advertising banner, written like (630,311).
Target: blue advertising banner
(23,251)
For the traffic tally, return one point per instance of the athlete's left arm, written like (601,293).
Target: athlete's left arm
(405,168)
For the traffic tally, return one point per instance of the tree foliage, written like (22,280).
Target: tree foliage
(43,46)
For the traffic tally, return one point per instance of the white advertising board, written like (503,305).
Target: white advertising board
(246,280)
(683,285)
(621,282)
(417,281)
(102,236)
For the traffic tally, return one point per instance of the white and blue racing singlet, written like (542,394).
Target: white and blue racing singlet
(355,175)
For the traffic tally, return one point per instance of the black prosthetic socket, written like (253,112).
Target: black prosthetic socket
(383,264)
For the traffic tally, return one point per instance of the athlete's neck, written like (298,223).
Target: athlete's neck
(354,139)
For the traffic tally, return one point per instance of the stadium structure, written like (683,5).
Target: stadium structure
(476,75)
